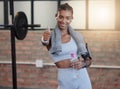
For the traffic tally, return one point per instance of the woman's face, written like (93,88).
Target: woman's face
(64,18)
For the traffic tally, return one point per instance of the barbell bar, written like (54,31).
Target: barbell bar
(29,25)
(20,25)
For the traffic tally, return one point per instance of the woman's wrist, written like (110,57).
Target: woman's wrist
(87,63)
(84,65)
(44,42)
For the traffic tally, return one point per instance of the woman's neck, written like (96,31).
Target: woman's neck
(64,32)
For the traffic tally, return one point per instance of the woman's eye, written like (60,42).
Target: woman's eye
(60,17)
(68,18)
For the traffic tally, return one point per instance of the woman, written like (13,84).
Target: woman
(68,51)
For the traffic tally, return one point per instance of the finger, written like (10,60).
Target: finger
(80,65)
(48,29)
(82,59)
(77,62)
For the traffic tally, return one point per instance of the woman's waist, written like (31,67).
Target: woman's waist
(66,63)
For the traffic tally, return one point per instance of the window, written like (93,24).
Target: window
(88,14)
(44,13)
(23,6)
(101,14)
(79,13)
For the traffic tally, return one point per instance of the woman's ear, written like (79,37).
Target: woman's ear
(72,17)
(57,15)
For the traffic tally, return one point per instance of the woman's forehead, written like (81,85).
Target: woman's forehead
(65,12)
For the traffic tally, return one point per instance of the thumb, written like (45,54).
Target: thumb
(48,28)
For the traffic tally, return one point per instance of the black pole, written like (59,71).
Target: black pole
(32,13)
(5,12)
(13,46)
(12,9)
(58,4)
(13,50)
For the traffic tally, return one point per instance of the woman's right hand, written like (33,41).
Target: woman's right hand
(47,35)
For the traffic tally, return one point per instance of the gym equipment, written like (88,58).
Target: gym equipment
(20,25)
(18,29)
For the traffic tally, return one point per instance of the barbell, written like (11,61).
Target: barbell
(20,25)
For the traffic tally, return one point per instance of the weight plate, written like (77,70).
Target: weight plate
(20,25)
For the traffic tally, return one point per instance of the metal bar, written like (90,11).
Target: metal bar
(5,12)
(58,3)
(6,25)
(29,25)
(52,64)
(13,47)
(12,9)
(33,25)
(32,13)
(13,54)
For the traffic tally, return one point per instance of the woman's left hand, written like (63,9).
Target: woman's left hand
(78,64)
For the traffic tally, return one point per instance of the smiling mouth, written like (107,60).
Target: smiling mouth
(61,24)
